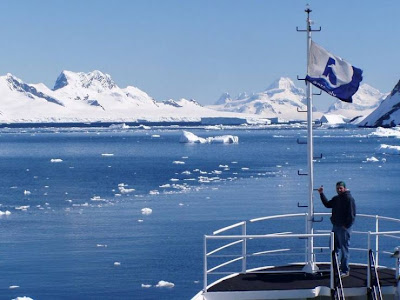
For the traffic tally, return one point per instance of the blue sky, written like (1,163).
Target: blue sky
(195,48)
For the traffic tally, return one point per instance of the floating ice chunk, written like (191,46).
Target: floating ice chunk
(155,135)
(165,185)
(186,172)
(146,286)
(372,159)
(119,126)
(107,154)
(23,298)
(386,132)
(97,198)
(123,190)
(27,192)
(178,162)
(188,137)
(56,160)
(140,220)
(154,192)
(223,166)
(174,179)
(117,263)
(144,127)
(13,286)
(388,149)
(5,213)
(147,211)
(163,283)
(23,207)
(224,139)
(101,245)
(245,168)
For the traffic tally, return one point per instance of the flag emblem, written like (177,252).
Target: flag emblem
(332,74)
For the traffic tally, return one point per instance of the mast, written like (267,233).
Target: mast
(310,266)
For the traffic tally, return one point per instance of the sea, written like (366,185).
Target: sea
(121,212)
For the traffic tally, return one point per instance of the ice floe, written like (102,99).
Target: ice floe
(119,126)
(27,192)
(372,159)
(97,198)
(386,132)
(178,162)
(189,137)
(388,149)
(147,211)
(155,135)
(163,283)
(56,160)
(13,286)
(5,213)
(146,286)
(23,298)
(123,190)
(23,207)
(117,263)
(107,154)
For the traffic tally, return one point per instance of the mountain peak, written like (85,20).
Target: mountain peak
(283,83)
(93,80)
(396,89)
(225,97)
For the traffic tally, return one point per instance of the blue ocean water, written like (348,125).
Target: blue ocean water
(72,219)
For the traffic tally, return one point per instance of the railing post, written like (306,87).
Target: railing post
(369,261)
(205,265)
(306,240)
(332,262)
(244,249)
(377,241)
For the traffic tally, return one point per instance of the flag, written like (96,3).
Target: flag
(332,74)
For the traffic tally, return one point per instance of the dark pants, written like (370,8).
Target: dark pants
(342,244)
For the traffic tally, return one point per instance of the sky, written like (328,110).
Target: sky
(196,49)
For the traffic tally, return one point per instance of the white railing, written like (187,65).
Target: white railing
(370,238)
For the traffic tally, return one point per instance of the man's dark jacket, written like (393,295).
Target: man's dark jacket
(343,209)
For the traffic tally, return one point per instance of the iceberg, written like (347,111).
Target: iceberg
(163,283)
(386,132)
(147,211)
(188,137)
(388,149)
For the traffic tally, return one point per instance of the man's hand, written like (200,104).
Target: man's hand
(321,189)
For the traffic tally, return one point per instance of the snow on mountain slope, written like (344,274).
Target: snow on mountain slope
(387,114)
(365,101)
(90,97)
(281,99)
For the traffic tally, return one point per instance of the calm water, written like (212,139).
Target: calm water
(72,219)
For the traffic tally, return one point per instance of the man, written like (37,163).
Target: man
(343,216)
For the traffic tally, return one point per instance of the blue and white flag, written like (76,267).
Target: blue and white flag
(332,74)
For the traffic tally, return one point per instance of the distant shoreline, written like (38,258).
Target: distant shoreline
(94,124)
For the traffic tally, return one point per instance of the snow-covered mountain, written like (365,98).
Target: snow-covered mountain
(95,97)
(90,97)
(365,101)
(281,99)
(387,114)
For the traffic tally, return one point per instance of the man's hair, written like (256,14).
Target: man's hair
(341,183)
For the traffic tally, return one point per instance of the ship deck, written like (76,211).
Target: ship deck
(296,279)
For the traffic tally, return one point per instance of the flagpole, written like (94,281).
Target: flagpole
(311,266)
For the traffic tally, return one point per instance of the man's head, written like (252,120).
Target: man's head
(340,187)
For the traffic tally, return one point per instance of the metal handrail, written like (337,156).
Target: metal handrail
(244,237)
(337,288)
(373,286)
